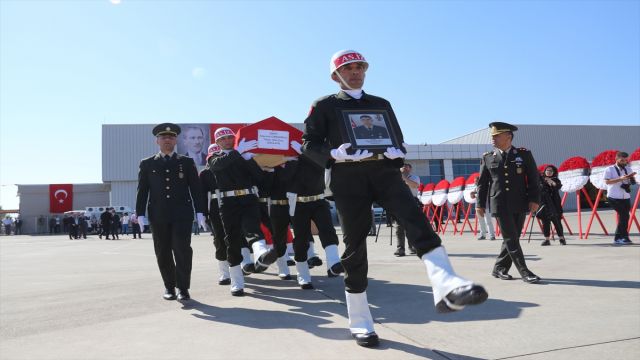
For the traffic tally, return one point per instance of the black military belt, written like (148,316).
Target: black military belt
(279,202)
(263,200)
(306,199)
(241,192)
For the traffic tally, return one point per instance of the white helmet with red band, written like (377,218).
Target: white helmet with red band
(222,132)
(345,57)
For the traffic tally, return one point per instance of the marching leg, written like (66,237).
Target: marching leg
(360,320)
(304,276)
(450,292)
(237,280)
(334,267)
(224,277)
(283,268)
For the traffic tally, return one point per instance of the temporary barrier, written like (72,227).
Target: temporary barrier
(454,198)
(469,193)
(439,200)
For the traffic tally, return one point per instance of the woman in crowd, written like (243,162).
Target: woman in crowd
(550,206)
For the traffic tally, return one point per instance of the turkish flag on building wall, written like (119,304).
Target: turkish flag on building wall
(60,198)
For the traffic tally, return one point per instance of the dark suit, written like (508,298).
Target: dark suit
(170,189)
(375,132)
(511,182)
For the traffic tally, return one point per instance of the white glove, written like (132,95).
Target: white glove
(361,154)
(141,221)
(244,146)
(393,153)
(201,221)
(340,153)
(296,146)
(248,155)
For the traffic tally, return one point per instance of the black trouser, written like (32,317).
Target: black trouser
(114,231)
(73,231)
(557,224)
(511,252)
(217,230)
(135,230)
(355,187)
(319,212)
(82,231)
(622,207)
(280,220)
(240,218)
(106,230)
(173,240)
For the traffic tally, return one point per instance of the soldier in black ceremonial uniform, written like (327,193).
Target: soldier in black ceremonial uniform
(509,176)
(212,214)
(360,178)
(237,175)
(307,191)
(168,186)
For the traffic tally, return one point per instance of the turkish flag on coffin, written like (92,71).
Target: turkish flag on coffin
(60,198)
(274,138)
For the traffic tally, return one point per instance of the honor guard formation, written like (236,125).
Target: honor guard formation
(353,149)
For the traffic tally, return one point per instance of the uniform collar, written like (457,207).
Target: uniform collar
(342,95)
(160,155)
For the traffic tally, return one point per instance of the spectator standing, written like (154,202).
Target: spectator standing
(551,205)
(619,180)
(125,224)
(18,226)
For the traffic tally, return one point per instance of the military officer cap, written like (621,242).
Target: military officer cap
(166,129)
(498,127)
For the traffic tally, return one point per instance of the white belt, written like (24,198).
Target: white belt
(370,158)
(306,199)
(241,192)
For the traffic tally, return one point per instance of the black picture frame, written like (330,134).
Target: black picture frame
(376,138)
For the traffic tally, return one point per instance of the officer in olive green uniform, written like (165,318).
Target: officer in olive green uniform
(509,176)
(168,185)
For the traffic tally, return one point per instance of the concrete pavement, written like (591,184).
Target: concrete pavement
(98,299)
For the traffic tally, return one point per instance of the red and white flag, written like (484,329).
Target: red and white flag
(60,198)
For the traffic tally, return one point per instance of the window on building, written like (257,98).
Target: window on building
(436,172)
(465,167)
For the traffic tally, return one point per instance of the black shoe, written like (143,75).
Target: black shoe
(367,340)
(100,237)
(531,278)
(183,295)
(314,261)
(412,250)
(239,292)
(291,263)
(265,260)
(465,295)
(247,269)
(563,241)
(501,274)
(335,270)
(285,277)
(545,243)
(307,286)
(224,282)
(399,252)
(169,294)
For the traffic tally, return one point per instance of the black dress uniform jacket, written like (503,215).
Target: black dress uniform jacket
(511,181)
(324,132)
(172,188)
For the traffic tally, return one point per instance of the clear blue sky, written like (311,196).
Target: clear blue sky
(448,68)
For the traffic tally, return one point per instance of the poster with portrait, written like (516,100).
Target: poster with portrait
(369,130)
(193,142)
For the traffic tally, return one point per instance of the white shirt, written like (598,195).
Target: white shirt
(415,179)
(614,191)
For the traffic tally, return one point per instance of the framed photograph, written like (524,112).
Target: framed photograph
(369,130)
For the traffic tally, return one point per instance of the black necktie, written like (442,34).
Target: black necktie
(166,158)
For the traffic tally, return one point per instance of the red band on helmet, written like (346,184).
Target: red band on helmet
(347,58)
